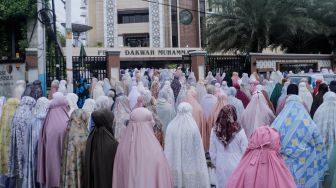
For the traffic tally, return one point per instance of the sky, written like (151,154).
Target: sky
(75,13)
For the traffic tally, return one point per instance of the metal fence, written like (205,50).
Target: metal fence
(55,71)
(88,67)
(228,64)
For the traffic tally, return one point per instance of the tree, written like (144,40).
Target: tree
(251,26)
(13,20)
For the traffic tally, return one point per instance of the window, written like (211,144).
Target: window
(136,40)
(174,23)
(134,16)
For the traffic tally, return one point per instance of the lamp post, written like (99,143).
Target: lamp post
(41,55)
(68,31)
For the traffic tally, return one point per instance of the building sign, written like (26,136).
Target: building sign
(297,67)
(150,52)
(9,74)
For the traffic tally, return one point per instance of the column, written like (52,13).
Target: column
(110,24)
(113,64)
(32,64)
(155,24)
(198,64)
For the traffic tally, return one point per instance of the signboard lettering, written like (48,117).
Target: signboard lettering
(9,74)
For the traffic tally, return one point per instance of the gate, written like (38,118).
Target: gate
(55,71)
(88,67)
(228,64)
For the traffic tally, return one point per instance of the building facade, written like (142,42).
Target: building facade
(145,23)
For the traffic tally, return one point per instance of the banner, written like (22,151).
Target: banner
(9,74)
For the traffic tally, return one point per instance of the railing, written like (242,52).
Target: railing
(228,64)
(55,71)
(88,67)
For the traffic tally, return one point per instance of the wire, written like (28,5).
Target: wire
(169,5)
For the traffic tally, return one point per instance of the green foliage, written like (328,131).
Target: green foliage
(300,26)
(61,39)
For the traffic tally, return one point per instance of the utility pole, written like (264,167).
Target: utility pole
(68,35)
(41,55)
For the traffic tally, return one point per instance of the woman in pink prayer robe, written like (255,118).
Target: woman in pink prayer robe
(256,113)
(235,78)
(140,161)
(51,142)
(198,115)
(262,165)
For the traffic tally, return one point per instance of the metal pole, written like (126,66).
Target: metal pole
(69,46)
(41,55)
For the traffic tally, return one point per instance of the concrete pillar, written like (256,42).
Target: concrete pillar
(31,64)
(113,64)
(198,64)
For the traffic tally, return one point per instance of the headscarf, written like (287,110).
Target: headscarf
(332,86)
(245,78)
(164,76)
(209,77)
(200,90)
(198,115)
(93,84)
(2,104)
(19,89)
(37,90)
(164,109)
(325,119)
(257,113)
(209,101)
(100,152)
(21,119)
(89,106)
(262,161)
(270,85)
(140,161)
(50,144)
(98,91)
(183,145)
(305,95)
(167,93)
(242,96)
(53,89)
(28,90)
(316,90)
(176,86)
(102,102)
(224,87)
(235,78)
(5,132)
(82,92)
(121,113)
(298,130)
(235,102)
(33,132)
(72,101)
(141,87)
(140,102)
(106,86)
(155,88)
(276,94)
(126,83)
(191,79)
(63,87)
(218,77)
(73,154)
(318,99)
(221,102)
(226,126)
(133,96)
(283,95)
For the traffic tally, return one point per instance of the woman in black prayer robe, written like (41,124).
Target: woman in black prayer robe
(100,151)
(318,99)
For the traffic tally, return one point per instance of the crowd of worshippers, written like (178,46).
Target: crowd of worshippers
(159,129)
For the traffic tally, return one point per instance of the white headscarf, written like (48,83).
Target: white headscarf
(2,103)
(305,95)
(167,93)
(102,102)
(183,145)
(238,104)
(41,106)
(89,106)
(106,86)
(72,100)
(62,87)
(19,89)
(98,90)
(325,119)
(201,91)
(133,96)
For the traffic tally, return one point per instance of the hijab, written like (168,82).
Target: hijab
(305,95)
(121,113)
(133,96)
(140,161)
(191,79)
(19,89)
(226,126)
(98,90)
(101,147)
(106,86)
(316,90)
(155,88)
(242,96)
(93,84)
(176,86)
(63,87)
(318,99)
(53,89)
(200,90)
(37,90)
(72,101)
